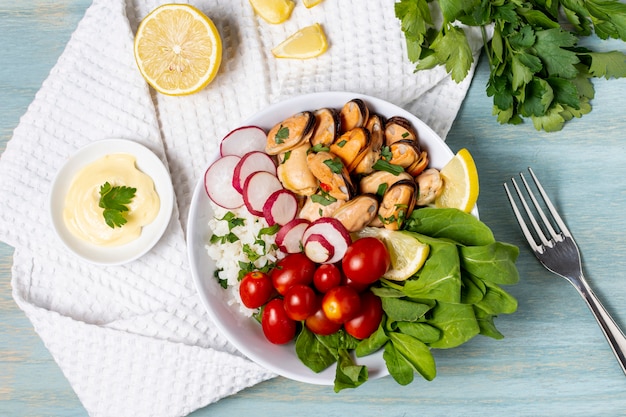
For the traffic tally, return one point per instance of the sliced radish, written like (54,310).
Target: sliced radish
(218,182)
(257,190)
(289,236)
(334,232)
(252,162)
(281,207)
(318,249)
(242,140)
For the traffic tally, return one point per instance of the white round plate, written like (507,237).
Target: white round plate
(243,332)
(147,162)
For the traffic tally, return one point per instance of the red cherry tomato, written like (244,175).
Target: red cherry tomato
(341,303)
(350,283)
(277,327)
(300,302)
(318,323)
(255,289)
(366,260)
(368,319)
(293,269)
(326,277)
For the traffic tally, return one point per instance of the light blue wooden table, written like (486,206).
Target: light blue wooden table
(554,360)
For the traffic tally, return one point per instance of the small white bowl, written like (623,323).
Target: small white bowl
(244,332)
(146,162)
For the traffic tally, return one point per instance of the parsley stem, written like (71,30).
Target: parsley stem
(483,32)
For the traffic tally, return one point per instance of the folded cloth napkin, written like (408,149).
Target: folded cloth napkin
(134,340)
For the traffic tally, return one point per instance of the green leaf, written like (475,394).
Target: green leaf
(552,121)
(522,75)
(453,48)
(348,374)
(538,97)
(452,9)
(550,46)
(457,323)
(497,301)
(114,201)
(494,262)
(450,223)
(313,353)
(400,309)
(376,341)
(486,324)
(608,64)
(415,19)
(399,368)
(565,92)
(421,331)
(416,353)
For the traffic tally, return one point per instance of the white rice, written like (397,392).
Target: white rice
(228,255)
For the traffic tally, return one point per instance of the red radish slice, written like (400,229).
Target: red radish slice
(257,190)
(218,182)
(252,162)
(334,232)
(243,140)
(281,207)
(289,236)
(318,249)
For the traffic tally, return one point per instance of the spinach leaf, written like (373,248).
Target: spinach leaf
(421,331)
(448,223)
(376,341)
(399,368)
(440,277)
(416,353)
(494,262)
(457,323)
(348,374)
(497,301)
(400,309)
(313,353)
(473,289)
(486,324)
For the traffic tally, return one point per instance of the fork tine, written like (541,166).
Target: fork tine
(555,214)
(529,212)
(520,219)
(547,224)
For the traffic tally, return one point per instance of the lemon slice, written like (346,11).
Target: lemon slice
(178,49)
(407,254)
(273,11)
(310,3)
(460,183)
(308,42)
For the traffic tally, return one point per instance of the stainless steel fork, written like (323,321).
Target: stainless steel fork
(559,253)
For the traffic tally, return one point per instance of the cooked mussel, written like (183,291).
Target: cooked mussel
(398,128)
(375,126)
(404,153)
(290,133)
(352,146)
(379,181)
(358,212)
(293,171)
(315,208)
(353,114)
(430,185)
(419,165)
(397,204)
(332,174)
(326,127)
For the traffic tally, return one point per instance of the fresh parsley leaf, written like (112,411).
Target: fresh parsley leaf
(607,64)
(281,134)
(335,165)
(114,201)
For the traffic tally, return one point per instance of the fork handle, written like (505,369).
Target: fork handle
(611,330)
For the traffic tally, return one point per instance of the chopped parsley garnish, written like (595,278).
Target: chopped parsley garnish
(383,165)
(281,135)
(335,165)
(114,201)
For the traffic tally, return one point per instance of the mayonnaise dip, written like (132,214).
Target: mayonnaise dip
(84,217)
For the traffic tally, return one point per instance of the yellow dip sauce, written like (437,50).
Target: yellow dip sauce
(84,217)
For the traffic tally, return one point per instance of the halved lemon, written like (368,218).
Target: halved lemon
(460,183)
(308,42)
(406,252)
(178,49)
(310,3)
(273,11)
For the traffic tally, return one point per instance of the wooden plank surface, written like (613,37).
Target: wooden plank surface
(554,360)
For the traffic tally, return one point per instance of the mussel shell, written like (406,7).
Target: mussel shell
(290,133)
(293,171)
(398,128)
(420,165)
(352,146)
(358,212)
(376,126)
(404,153)
(336,183)
(370,184)
(398,203)
(354,113)
(327,126)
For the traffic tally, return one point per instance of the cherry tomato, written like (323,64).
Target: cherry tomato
(300,302)
(277,327)
(341,303)
(326,277)
(368,319)
(350,283)
(366,260)
(318,323)
(255,289)
(293,269)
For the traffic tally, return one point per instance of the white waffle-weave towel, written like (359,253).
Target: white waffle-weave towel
(134,340)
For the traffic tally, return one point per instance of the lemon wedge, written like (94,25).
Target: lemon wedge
(407,254)
(308,42)
(460,183)
(310,3)
(178,49)
(273,11)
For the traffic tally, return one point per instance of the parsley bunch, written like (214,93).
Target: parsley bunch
(537,69)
